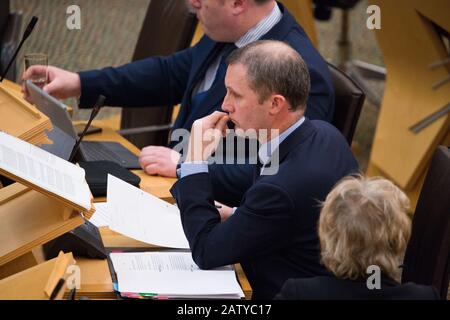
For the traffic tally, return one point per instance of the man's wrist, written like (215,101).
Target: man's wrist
(190,168)
(178,170)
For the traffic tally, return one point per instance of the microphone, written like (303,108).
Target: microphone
(96,109)
(26,34)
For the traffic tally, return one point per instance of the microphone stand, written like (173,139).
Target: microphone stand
(26,34)
(96,109)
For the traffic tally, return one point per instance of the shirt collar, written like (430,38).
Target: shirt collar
(266,150)
(261,28)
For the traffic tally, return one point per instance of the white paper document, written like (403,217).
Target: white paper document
(173,274)
(101,217)
(144,217)
(44,170)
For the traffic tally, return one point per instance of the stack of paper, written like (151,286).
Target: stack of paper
(101,217)
(166,275)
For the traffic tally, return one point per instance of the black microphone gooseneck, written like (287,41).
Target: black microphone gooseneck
(95,110)
(26,34)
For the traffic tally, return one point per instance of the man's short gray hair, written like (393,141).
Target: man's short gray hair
(274,67)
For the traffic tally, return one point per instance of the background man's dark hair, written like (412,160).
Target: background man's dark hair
(274,67)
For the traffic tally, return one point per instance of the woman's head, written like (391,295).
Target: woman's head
(364,222)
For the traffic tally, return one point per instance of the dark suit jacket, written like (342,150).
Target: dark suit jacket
(332,288)
(273,233)
(171,80)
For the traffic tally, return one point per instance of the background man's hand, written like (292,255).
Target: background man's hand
(159,160)
(61,84)
(224,211)
(206,134)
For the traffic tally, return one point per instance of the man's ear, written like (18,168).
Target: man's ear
(279,103)
(239,6)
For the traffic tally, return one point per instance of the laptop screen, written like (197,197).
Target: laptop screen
(63,134)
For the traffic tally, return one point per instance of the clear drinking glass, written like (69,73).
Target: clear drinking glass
(31,59)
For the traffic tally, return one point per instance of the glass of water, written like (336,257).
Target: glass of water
(31,59)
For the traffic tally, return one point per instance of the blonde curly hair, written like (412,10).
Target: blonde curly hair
(364,222)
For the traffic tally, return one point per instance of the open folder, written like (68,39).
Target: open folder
(172,275)
(44,172)
(50,199)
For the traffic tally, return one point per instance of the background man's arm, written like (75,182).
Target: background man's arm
(147,82)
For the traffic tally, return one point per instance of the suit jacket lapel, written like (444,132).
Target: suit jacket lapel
(206,51)
(207,54)
(298,136)
(214,95)
(212,102)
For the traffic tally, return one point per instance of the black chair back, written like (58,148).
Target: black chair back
(4,13)
(428,252)
(10,25)
(168,27)
(349,100)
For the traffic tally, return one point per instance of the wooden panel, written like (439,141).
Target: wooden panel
(409,44)
(245,285)
(17,265)
(29,220)
(414,192)
(29,284)
(96,282)
(21,119)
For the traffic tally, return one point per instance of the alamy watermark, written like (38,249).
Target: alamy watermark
(73,21)
(374,280)
(374,20)
(73,280)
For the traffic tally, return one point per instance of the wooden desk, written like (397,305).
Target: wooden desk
(158,186)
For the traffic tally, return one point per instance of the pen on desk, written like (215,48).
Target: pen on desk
(148,295)
(131,295)
(57,289)
(72,294)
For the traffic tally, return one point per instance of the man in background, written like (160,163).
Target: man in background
(195,78)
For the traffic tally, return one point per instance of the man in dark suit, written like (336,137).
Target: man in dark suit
(195,77)
(273,232)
